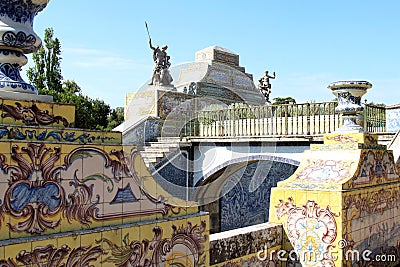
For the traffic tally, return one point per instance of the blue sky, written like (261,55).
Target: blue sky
(309,44)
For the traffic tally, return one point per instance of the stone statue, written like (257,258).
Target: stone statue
(192,88)
(265,86)
(161,75)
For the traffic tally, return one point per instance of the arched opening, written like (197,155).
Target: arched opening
(244,190)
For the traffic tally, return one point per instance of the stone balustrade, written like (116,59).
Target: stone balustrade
(282,120)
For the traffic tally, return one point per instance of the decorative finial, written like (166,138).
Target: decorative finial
(17,39)
(349,95)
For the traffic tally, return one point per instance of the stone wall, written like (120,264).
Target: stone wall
(250,246)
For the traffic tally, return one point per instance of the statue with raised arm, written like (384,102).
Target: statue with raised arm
(264,85)
(161,75)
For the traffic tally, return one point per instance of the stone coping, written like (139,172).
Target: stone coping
(396,106)
(242,231)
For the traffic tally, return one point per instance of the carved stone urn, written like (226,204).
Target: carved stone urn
(349,95)
(17,39)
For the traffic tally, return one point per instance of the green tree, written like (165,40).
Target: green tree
(46,76)
(116,118)
(284,100)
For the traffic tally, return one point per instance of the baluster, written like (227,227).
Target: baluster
(269,122)
(297,120)
(319,118)
(286,120)
(329,117)
(308,118)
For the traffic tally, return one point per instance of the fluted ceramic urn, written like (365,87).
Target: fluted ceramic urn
(17,39)
(349,95)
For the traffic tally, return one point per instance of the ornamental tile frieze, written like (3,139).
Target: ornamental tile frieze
(45,186)
(31,115)
(58,135)
(189,239)
(311,230)
(51,256)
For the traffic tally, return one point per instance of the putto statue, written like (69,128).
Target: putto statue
(161,75)
(264,85)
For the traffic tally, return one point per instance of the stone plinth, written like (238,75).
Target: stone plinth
(155,101)
(343,199)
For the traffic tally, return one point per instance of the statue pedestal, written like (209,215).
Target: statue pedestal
(148,110)
(154,100)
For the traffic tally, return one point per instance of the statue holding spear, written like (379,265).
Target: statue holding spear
(161,75)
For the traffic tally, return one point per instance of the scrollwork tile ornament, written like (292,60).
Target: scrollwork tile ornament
(349,95)
(17,38)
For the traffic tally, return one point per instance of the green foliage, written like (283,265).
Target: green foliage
(209,113)
(47,78)
(216,112)
(116,118)
(241,111)
(46,74)
(284,100)
(376,104)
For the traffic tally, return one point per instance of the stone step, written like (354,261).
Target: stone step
(154,152)
(163,145)
(149,160)
(146,154)
(158,149)
(168,139)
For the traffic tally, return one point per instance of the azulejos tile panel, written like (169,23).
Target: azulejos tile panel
(52,188)
(393,119)
(242,242)
(323,170)
(371,218)
(35,113)
(56,135)
(253,260)
(313,225)
(375,167)
(350,138)
(66,111)
(247,198)
(336,169)
(1,111)
(356,208)
(124,245)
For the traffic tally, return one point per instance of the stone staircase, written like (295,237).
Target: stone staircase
(154,152)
